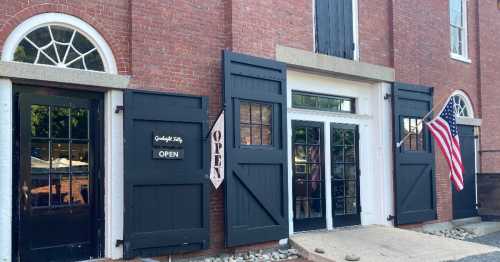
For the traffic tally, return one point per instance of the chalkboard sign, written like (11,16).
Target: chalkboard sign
(168,153)
(164,139)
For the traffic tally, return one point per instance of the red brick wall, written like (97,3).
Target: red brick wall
(422,56)
(489,23)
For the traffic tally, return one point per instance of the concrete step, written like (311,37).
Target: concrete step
(482,228)
(465,221)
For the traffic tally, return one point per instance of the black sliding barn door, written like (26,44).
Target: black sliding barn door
(334,28)
(414,169)
(166,193)
(256,166)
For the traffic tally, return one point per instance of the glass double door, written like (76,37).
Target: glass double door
(59,154)
(308,164)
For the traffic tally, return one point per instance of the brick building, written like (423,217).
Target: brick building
(319,153)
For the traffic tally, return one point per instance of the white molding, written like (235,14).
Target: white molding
(44,19)
(6,125)
(113,182)
(20,70)
(460,58)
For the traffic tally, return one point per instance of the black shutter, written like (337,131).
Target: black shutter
(166,201)
(414,171)
(256,175)
(334,28)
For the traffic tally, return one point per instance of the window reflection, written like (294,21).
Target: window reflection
(255,124)
(80,189)
(59,190)
(413,132)
(60,157)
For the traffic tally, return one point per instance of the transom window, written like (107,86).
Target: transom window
(461,107)
(458,28)
(255,123)
(322,102)
(59,46)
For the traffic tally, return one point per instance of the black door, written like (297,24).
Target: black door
(345,175)
(308,176)
(256,182)
(166,173)
(414,182)
(464,202)
(59,165)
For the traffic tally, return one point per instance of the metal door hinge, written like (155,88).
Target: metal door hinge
(388,96)
(119,242)
(390,217)
(119,108)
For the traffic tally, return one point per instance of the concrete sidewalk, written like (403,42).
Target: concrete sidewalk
(381,243)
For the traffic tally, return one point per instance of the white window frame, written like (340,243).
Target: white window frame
(464,57)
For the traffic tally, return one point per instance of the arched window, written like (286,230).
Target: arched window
(463,108)
(59,40)
(59,46)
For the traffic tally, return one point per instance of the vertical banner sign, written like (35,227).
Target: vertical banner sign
(217,158)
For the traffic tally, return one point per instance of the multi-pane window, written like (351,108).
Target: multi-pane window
(413,131)
(458,27)
(323,102)
(59,156)
(255,123)
(59,46)
(460,106)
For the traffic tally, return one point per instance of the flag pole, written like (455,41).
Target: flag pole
(398,144)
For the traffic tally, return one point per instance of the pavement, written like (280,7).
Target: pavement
(490,239)
(381,243)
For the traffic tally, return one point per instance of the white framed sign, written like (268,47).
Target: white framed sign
(217,150)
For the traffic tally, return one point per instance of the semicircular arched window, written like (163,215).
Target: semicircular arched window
(461,106)
(59,46)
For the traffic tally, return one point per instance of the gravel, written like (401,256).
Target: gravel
(263,255)
(492,240)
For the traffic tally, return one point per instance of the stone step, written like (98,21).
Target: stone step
(482,228)
(465,221)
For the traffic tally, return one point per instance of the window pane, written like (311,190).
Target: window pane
(61,34)
(300,135)
(266,135)
(337,154)
(244,112)
(266,114)
(338,172)
(256,137)
(300,154)
(78,64)
(72,55)
(25,52)
(80,189)
(315,172)
(314,154)
(51,52)
(44,60)
(350,205)
(313,136)
(455,41)
(39,191)
(351,188)
(310,101)
(297,100)
(338,188)
(350,171)
(60,122)
(79,157)
(245,134)
(79,123)
(40,36)
(60,157)
(61,50)
(39,121)
(339,206)
(346,106)
(300,189)
(82,44)
(255,113)
(349,154)
(40,157)
(59,190)
(316,207)
(93,61)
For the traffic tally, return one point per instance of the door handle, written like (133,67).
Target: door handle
(25,189)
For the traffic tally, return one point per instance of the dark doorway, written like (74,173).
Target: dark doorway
(59,154)
(464,202)
(345,175)
(308,176)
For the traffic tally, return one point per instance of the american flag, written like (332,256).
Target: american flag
(445,131)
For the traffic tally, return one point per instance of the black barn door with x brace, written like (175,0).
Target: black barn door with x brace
(165,177)
(414,169)
(256,166)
